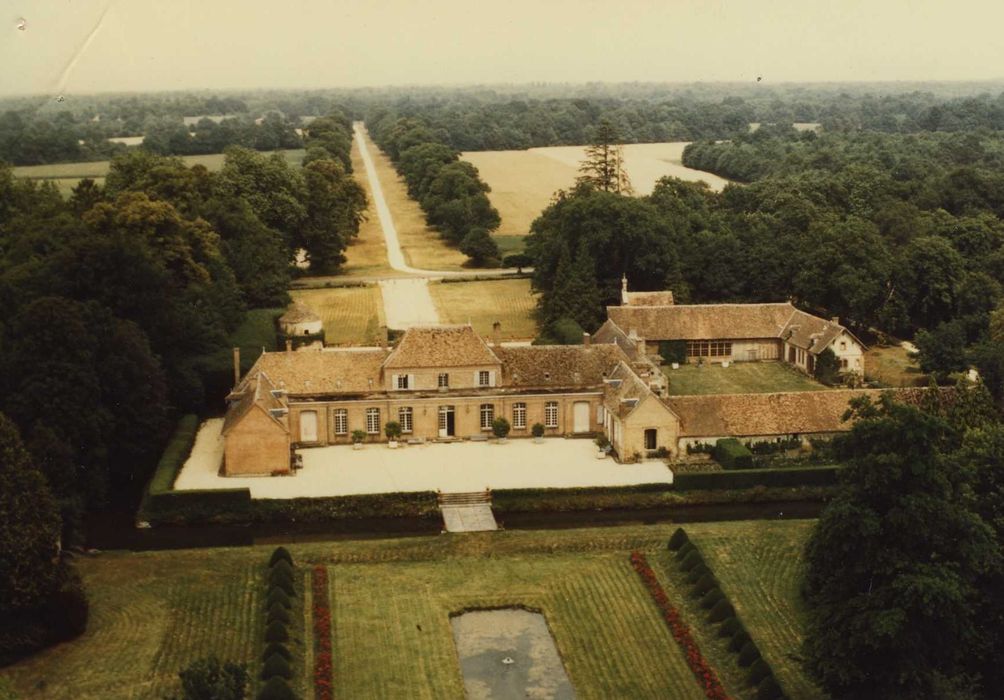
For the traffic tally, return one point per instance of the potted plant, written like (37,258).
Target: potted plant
(393,431)
(537,430)
(500,428)
(357,439)
(602,446)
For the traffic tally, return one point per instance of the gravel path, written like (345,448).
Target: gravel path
(407,302)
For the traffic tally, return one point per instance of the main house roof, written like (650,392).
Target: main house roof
(728,322)
(557,366)
(441,346)
(317,372)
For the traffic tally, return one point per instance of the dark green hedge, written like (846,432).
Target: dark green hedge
(801,476)
(418,504)
(732,454)
(175,454)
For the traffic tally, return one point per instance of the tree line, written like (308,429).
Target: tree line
(449,190)
(116,304)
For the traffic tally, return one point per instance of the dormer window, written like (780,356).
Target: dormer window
(547,376)
(443,381)
(484,378)
(402,381)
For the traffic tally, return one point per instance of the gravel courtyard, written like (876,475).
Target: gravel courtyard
(464,466)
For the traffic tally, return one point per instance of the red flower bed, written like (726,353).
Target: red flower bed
(705,674)
(322,634)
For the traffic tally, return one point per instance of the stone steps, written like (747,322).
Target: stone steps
(470,498)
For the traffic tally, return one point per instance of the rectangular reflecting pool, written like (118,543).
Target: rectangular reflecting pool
(509,655)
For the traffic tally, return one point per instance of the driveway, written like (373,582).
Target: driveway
(456,467)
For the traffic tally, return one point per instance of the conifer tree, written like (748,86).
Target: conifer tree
(603,167)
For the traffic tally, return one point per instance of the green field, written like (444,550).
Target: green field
(738,378)
(154,613)
(759,566)
(67,175)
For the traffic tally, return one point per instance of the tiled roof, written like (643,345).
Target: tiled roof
(610,333)
(624,391)
(299,312)
(812,333)
(647,298)
(786,413)
(441,346)
(702,321)
(255,390)
(557,365)
(312,372)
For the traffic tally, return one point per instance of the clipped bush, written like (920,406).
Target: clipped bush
(748,654)
(276,632)
(280,554)
(768,689)
(282,568)
(274,666)
(691,560)
(732,454)
(277,613)
(711,598)
(281,583)
(697,573)
(705,584)
(276,688)
(277,595)
(722,610)
(759,670)
(686,549)
(730,627)
(277,649)
(678,539)
(738,640)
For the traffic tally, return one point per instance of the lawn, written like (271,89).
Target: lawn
(759,565)
(738,378)
(67,175)
(351,315)
(153,613)
(484,302)
(893,366)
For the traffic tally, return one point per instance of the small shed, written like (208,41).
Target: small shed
(300,320)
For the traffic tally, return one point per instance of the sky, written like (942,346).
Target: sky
(83,46)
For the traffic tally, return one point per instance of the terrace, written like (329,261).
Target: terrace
(738,378)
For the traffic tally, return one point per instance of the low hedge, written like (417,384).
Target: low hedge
(581,498)
(417,504)
(749,478)
(202,506)
(732,454)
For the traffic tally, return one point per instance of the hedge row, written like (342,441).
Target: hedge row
(704,586)
(276,671)
(749,478)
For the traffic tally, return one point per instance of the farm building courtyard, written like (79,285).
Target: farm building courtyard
(339,470)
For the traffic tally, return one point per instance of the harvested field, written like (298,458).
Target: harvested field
(484,302)
(760,567)
(523,182)
(351,315)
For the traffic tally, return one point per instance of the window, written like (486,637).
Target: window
(484,378)
(843,363)
(443,381)
(487,416)
(651,438)
(519,416)
(551,414)
(843,344)
(402,381)
(404,418)
(372,421)
(341,421)
(709,348)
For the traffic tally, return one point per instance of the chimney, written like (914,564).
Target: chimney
(835,320)
(289,345)
(587,339)
(237,366)
(497,334)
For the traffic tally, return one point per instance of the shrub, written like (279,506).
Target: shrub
(283,568)
(722,610)
(732,454)
(276,688)
(712,597)
(705,583)
(280,554)
(678,539)
(768,689)
(683,551)
(358,435)
(392,430)
(277,649)
(730,626)
(748,654)
(501,427)
(759,670)
(276,666)
(276,632)
(738,640)
(517,260)
(691,560)
(282,583)
(209,679)
(277,613)
(537,430)
(697,573)
(277,595)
